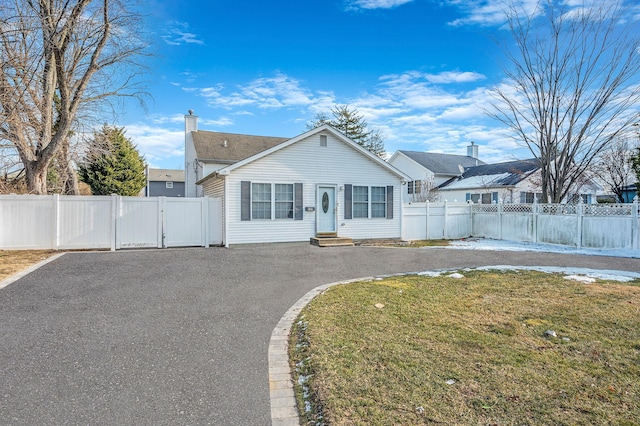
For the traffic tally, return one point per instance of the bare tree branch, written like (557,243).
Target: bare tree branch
(572,87)
(81,52)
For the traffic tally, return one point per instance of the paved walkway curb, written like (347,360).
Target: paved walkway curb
(283,402)
(15,277)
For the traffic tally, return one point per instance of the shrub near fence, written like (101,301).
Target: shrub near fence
(610,226)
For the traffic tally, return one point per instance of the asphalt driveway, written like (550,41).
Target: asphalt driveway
(180,336)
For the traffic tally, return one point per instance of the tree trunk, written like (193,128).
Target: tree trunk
(36,176)
(71,184)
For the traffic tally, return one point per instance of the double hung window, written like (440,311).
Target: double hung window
(265,201)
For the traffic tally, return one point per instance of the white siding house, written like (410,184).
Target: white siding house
(318,183)
(428,170)
(508,182)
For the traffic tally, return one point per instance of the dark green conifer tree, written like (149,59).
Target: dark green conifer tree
(113,165)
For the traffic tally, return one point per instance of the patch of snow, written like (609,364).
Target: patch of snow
(580,278)
(502,245)
(478,181)
(603,274)
(455,275)
(432,274)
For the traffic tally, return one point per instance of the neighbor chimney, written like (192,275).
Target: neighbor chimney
(472,151)
(190,122)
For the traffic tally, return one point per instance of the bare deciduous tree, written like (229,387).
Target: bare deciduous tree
(82,52)
(572,86)
(614,167)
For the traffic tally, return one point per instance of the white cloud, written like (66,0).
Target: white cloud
(454,77)
(279,91)
(490,12)
(375,4)
(156,142)
(177,34)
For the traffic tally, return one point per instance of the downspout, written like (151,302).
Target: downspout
(225,213)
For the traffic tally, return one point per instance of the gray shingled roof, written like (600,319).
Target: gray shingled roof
(500,174)
(166,175)
(442,164)
(210,146)
(517,170)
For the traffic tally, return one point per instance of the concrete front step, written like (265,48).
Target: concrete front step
(331,241)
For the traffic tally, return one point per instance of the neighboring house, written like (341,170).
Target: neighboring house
(319,183)
(428,170)
(164,183)
(629,192)
(509,182)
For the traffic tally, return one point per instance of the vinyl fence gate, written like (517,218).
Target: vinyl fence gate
(111,222)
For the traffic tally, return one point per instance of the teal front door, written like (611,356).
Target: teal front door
(326,210)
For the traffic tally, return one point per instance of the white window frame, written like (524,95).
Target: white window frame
(272,201)
(378,203)
(359,202)
(369,202)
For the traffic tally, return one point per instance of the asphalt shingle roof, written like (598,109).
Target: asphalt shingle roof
(500,174)
(442,164)
(166,175)
(210,146)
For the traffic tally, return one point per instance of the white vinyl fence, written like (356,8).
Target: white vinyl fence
(606,226)
(110,222)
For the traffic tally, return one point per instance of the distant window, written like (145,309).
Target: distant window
(323,140)
(414,187)
(168,185)
(486,198)
(530,197)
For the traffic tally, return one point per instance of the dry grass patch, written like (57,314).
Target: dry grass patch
(421,350)
(14,261)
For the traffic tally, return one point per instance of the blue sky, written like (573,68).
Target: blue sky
(418,70)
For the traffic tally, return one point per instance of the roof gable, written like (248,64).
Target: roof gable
(442,164)
(230,147)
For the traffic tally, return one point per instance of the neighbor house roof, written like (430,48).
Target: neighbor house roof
(442,164)
(493,175)
(165,175)
(230,147)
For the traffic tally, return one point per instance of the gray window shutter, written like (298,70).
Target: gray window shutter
(297,201)
(523,197)
(389,202)
(467,197)
(494,197)
(245,200)
(348,191)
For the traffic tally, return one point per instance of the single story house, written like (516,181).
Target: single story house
(319,183)
(428,170)
(509,182)
(164,183)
